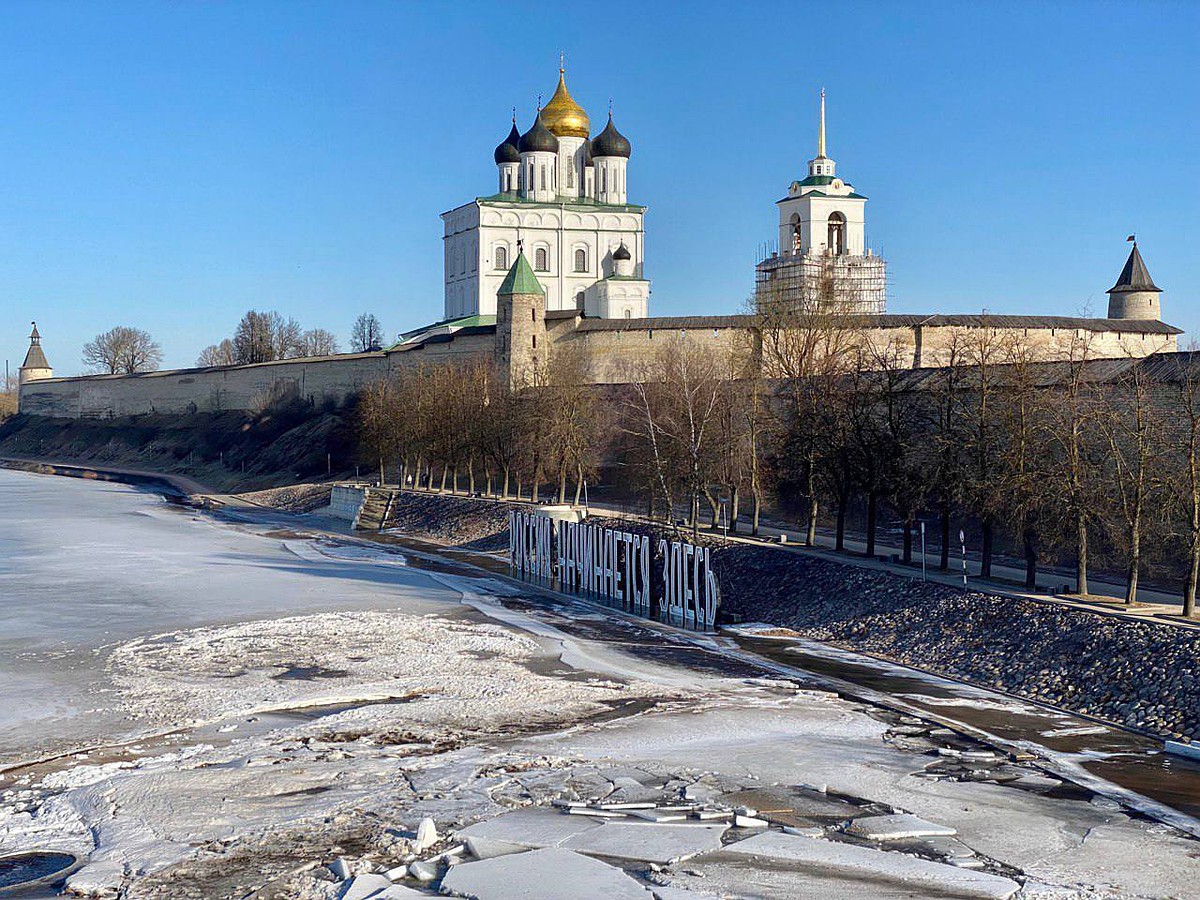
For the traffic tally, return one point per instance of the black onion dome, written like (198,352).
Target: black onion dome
(622,252)
(507,151)
(611,142)
(538,139)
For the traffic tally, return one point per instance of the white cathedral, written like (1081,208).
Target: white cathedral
(561,197)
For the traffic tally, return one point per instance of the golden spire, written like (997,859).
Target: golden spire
(562,115)
(821,131)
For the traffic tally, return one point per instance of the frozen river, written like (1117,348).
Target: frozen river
(305,691)
(87,565)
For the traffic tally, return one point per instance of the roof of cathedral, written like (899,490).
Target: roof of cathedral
(507,151)
(539,138)
(516,199)
(622,252)
(1135,276)
(520,279)
(611,142)
(563,115)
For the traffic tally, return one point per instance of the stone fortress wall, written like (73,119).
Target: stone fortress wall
(616,350)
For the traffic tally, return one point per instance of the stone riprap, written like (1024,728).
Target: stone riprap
(293,498)
(1140,674)
(446,519)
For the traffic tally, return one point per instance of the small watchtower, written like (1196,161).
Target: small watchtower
(1134,296)
(520,324)
(35,366)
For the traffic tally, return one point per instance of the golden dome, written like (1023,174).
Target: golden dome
(562,115)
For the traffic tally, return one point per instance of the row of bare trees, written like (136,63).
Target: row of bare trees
(264,336)
(811,415)
(456,426)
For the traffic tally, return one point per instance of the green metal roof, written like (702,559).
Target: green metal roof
(587,202)
(520,279)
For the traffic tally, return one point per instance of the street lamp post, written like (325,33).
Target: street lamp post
(962,539)
(924,576)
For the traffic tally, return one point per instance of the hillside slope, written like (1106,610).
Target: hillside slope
(227,451)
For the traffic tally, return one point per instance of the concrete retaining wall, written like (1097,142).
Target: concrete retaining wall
(346,501)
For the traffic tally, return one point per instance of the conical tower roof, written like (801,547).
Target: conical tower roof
(520,279)
(1135,276)
(35,358)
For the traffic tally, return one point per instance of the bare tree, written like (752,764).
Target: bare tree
(317,342)
(1133,429)
(675,415)
(265,336)
(1022,475)
(805,351)
(378,428)
(1074,473)
(9,391)
(983,351)
(221,354)
(122,350)
(1184,480)
(367,334)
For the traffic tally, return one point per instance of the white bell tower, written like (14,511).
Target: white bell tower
(822,253)
(822,214)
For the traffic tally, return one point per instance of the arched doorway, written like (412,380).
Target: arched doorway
(837,234)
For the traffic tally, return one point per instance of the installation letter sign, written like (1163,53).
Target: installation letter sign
(615,565)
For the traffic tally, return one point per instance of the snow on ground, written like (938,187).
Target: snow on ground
(367,696)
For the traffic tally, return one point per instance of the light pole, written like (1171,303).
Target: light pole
(724,518)
(585,499)
(962,539)
(924,577)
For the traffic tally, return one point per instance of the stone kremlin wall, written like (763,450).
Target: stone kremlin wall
(203,390)
(616,350)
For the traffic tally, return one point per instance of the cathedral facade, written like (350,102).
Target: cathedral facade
(561,196)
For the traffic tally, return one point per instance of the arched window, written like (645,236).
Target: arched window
(837,234)
(604,178)
(541,259)
(796,244)
(579,299)
(628,314)
(581,260)
(501,257)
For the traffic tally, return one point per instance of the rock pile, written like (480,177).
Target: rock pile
(1143,675)
(293,498)
(475,524)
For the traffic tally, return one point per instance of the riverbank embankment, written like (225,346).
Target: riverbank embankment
(1141,675)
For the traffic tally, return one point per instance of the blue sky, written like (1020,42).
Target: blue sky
(170,165)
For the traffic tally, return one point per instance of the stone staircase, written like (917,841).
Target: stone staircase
(374,510)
